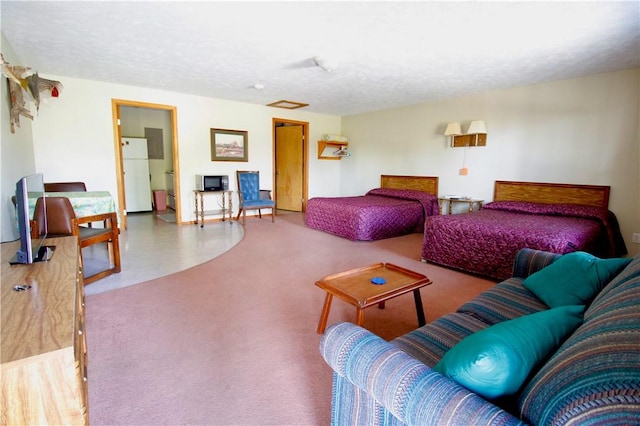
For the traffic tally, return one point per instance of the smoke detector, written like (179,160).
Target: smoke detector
(329,65)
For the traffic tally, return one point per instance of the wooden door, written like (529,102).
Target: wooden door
(289,168)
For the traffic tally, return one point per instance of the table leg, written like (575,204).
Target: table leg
(224,212)
(419,310)
(201,210)
(325,313)
(196,202)
(359,316)
(112,258)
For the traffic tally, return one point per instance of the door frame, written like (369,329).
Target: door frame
(305,157)
(117,135)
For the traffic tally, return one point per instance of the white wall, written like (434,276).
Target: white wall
(16,153)
(582,130)
(74,137)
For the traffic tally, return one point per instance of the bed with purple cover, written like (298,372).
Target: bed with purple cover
(399,207)
(559,218)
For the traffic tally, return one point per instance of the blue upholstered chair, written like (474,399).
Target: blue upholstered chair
(251,196)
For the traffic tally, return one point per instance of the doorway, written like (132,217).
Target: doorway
(116,104)
(291,171)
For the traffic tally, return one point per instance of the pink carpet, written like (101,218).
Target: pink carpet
(233,341)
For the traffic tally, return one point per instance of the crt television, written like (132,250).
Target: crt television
(28,190)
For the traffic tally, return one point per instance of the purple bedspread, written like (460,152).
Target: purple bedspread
(486,242)
(380,213)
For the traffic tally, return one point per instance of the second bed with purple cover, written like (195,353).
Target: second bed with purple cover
(486,242)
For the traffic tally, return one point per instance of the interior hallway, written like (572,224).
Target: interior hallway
(151,248)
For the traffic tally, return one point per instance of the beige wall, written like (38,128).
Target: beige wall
(74,137)
(582,130)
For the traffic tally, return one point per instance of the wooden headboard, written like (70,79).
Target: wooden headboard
(552,193)
(419,183)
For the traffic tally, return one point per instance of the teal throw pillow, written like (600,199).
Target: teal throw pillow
(573,279)
(496,361)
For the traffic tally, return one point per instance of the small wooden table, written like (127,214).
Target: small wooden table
(355,287)
(226,207)
(453,200)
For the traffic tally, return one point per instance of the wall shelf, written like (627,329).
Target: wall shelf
(322,145)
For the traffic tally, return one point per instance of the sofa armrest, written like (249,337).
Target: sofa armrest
(529,261)
(407,388)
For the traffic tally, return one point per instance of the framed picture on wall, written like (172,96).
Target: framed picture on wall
(229,145)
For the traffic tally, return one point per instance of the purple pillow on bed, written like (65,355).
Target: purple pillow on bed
(428,201)
(399,193)
(547,208)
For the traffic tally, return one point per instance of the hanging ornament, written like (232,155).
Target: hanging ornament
(21,80)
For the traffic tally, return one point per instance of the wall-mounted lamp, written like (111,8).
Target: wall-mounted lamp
(478,128)
(453,130)
(476,134)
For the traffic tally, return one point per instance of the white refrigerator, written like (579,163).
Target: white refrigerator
(137,180)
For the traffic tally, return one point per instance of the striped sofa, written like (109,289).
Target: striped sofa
(593,378)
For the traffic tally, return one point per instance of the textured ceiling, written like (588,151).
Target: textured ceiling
(390,54)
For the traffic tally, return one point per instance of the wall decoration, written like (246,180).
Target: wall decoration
(229,145)
(21,81)
(18,105)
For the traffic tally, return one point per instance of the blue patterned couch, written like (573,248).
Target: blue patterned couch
(593,378)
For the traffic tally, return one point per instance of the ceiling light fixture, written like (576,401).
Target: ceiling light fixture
(287,104)
(326,64)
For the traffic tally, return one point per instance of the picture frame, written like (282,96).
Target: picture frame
(229,145)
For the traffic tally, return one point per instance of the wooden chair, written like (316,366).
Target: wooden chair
(61,221)
(64,187)
(251,196)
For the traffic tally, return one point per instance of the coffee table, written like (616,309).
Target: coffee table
(356,288)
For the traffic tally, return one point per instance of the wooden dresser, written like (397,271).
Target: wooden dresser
(43,347)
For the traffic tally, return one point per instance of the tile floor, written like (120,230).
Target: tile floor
(152,247)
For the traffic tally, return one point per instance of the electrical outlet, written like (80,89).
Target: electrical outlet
(636,238)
